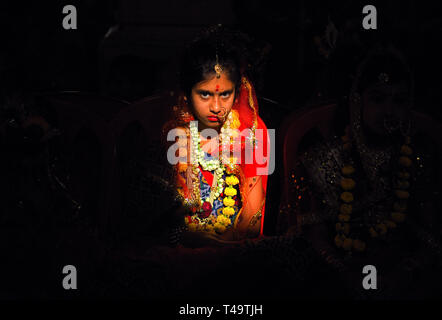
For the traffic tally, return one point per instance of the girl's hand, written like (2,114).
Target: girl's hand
(200,239)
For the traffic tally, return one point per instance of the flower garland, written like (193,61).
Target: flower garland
(348,184)
(203,220)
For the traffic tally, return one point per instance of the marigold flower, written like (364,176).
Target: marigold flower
(400,207)
(229,202)
(209,228)
(372,232)
(346,208)
(228,211)
(398,216)
(405,161)
(348,244)
(403,175)
(229,191)
(390,224)
(403,184)
(344,217)
(220,228)
(359,245)
(348,183)
(347,196)
(338,227)
(402,194)
(235,122)
(223,220)
(192,226)
(406,150)
(232,180)
(339,241)
(348,170)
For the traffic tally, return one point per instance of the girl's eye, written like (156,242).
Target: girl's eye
(225,95)
(204,95)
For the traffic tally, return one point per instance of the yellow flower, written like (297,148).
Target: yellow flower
(398,216)
(404,175)
(348,244)
(401,194)
(372,232)
(339,241)
(220,228)
(382,228)
(338,227)
(346,146)
(229,191)
(228,211)
(235,123)
(209,228)
(390,224)
(229,202)
(348,170)
(406,150)
(232,180)
(400,207)
(405,161)
(359,245)
(347,196)
(346,208)
(223,220)
(348,183)
(403,184)
(344,217)
(345,228)
(192,226)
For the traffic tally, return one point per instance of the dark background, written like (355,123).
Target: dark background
(124,51)
(138,55)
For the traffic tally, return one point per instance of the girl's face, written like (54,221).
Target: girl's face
(384,103)
(212,101)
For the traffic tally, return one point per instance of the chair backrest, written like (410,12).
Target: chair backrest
(141,165)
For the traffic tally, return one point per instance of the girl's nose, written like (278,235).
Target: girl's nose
(215,106)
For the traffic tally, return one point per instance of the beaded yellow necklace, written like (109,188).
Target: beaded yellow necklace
(218,166)
(400,186)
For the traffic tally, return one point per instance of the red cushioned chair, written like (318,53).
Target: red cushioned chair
(141,164)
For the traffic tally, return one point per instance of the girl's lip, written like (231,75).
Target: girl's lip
(213,118)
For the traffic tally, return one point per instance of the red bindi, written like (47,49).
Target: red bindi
(217,87)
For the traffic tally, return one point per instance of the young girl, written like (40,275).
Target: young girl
(221,182)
